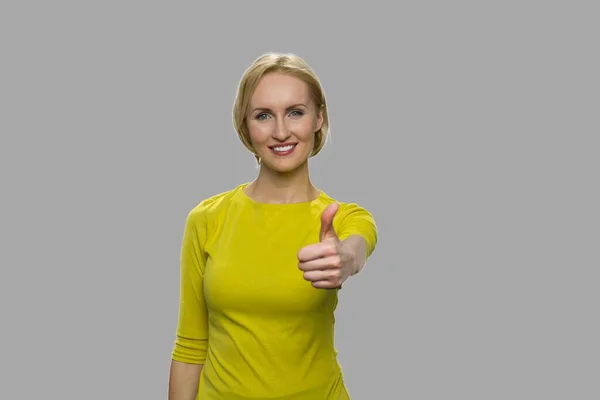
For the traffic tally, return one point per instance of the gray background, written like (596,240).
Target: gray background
(470,131)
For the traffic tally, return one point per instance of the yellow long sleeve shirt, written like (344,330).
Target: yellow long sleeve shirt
(246,312)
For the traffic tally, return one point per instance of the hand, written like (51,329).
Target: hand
(329,263)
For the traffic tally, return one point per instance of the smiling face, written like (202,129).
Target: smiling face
(282,122)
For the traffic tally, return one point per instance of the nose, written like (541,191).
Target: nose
(281,132)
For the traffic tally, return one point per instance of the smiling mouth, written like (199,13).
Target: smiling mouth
(283,150)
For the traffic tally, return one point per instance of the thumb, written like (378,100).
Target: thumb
(327,216)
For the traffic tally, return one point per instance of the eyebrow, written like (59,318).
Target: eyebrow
(287,109)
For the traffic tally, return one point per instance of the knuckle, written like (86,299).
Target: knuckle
(337,261)
(332,248)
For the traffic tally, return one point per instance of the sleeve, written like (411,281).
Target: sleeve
(191,340)
(355,220)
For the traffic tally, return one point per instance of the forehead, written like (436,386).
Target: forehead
(276,89)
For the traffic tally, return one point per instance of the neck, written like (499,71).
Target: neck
(280,188)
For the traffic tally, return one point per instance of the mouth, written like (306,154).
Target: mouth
(283,149)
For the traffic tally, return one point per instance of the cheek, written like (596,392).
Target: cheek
(306,130)
(259,133)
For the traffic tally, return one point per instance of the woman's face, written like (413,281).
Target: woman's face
(282,122)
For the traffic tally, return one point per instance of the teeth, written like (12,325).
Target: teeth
(284,148)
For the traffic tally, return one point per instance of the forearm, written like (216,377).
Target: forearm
(358,249)
(183,380)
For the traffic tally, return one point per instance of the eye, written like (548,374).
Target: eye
(261,117)
(298,113)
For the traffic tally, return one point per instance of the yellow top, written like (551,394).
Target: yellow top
(246,312)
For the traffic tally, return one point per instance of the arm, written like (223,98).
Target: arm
(358,235)
(183,380)
(346,242)
(189,353)
(356,248)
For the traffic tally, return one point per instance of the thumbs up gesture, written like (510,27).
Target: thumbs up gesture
(329,263)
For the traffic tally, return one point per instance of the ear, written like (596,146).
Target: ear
(320,118)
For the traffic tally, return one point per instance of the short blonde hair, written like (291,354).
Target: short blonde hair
(289,64)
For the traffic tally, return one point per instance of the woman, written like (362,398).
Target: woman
(262,263)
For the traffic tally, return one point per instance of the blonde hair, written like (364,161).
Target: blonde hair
(289,64)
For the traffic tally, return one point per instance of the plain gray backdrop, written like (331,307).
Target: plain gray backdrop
(470,131)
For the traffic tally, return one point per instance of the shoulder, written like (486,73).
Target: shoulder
(354,210)
(348,209)
(212,206)
(354,219)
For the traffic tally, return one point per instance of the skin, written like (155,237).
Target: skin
(281,110)
(183,380)
(329,263)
